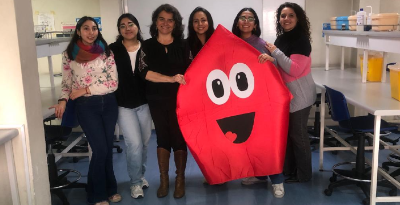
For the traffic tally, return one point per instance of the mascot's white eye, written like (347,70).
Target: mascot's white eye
(218,88)
(241,80)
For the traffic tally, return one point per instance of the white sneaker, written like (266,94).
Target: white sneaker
(279,191)
(145,183)
(253,180)
(137,192)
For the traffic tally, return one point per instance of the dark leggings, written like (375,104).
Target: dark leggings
(298,151)
(168,132)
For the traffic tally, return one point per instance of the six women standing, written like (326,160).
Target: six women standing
(90,76)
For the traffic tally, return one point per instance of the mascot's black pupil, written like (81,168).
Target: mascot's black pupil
(218,88)
(241,81)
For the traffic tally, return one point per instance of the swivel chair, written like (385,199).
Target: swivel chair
(357,126)
(54,133)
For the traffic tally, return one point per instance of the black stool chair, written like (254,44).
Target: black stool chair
(53,134)
(358,126)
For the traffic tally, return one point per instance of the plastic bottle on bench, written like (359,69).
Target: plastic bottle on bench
(361,19)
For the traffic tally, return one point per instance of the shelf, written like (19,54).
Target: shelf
(371,40)
(49,47)
(386,42)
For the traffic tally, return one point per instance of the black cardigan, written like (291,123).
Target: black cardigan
(175,61)
(131,87)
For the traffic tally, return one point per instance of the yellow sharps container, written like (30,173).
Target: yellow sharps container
(374,67)
(394,81)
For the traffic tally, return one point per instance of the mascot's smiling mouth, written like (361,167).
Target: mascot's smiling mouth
(237,128)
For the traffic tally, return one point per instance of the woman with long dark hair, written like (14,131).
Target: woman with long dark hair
(292,50)
(133,111)
(200,29)
(163,60)
(247,27)
(90,78)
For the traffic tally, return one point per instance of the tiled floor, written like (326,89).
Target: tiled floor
(231,193)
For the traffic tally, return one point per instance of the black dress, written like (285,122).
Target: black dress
(161,97)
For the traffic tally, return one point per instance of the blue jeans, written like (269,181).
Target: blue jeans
(97,116)
(136,126)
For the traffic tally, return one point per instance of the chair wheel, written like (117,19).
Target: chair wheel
(119,150)
(366,201)
(393,192)
(328,192)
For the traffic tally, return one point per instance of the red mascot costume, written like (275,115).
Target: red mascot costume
(233,112)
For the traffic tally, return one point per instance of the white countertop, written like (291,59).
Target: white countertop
(375,97)
(42,41)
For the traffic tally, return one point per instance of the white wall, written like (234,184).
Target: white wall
(222,11)
(110,11)
(318,12)
(391,6)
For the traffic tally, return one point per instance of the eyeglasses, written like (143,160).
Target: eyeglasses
(250,19)
(130,25)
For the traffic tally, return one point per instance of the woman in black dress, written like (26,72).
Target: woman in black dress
(163,61)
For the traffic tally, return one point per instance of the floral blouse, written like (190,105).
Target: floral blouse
(100,75)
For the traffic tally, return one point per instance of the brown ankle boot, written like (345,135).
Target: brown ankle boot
(163,164)
(180,157)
